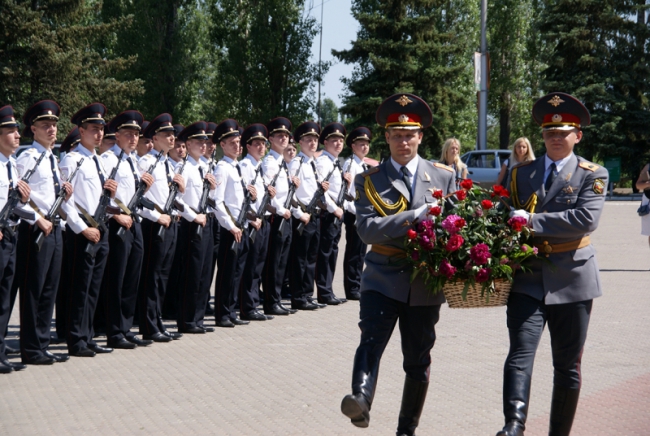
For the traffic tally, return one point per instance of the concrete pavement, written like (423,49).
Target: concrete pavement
(287,376)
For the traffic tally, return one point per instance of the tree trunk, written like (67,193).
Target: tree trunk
(505,124)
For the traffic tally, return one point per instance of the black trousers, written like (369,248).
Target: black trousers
(63,293)
(249,289)
(171,301)
(230,267)
(328,253)
(355,254)
(121,280)
(195,280)
(156,265)
(304,252)
(276,261)
(37,277)
(85,274)
(567,325)
(7,271)
(378,315)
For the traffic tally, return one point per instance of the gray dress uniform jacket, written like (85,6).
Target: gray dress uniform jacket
(391,275)
(569,211)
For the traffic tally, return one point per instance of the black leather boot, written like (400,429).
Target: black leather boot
(516,393)
(413,396)
(364,380)
(563,409)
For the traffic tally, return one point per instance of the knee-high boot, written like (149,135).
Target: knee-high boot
(413,396)
(364,381)
(563,409)
(516,394)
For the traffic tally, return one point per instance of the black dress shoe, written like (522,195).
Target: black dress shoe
(157,337)
(174,335)
(208,329)
(224,323)
(9,350)
(332,301)
(100,350)
(57,357)
(253,316)
(139,342)
(276,310)
(302,305)
(57,340)
(356,296)
(122,344)
(288,309)
(316,303)
(17,366)
(83,352)
(238,321)
(6,367)
(40,360)
(357,409)
(193,330)
(513,428)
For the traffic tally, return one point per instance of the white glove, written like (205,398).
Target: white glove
(520,213)
(421,212)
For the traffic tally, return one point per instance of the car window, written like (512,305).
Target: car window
(482,160)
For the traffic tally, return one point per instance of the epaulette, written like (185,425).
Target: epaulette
(31,150)
(588,166)
(110,151)
(370,171)
(443,166)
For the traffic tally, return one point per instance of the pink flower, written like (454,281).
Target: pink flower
(446,269)
(454,243)
(453,223)
(480,253)
(483,275)
(517,223)
(411,234)
(535,250)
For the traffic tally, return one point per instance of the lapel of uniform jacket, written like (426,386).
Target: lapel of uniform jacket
(396,180)
(422,184)
(536,181)
(562,179)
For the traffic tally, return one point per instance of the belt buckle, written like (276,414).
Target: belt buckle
(547,248)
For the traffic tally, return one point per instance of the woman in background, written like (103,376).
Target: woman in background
(521,152)
(451,157)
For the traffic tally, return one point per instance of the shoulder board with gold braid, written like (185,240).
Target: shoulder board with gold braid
(443,166)
(588,166)
(382,208)
(531,203)
(370,171)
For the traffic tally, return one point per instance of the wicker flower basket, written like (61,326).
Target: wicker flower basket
(453,294)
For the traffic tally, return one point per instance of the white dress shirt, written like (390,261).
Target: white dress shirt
(229,196)
(162,175)
(249,167)
(308,183)
(194,173)
(87,185)
(271,165)
(325,165)
(42,181)
(4,178)
(354,166)
(127,175)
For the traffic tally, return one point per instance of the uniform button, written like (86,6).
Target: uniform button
(568,202)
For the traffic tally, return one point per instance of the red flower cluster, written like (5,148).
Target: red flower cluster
(517,223)
(467,184)
(480,254)
(438,194)
(454,243)
(461,195)
(435,211)
(500,191)
(487,204)
(411,234)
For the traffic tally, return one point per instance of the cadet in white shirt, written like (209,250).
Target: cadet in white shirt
(280,231)
(195,235)
(330,223)
(158,233)
(85,271)
(9,142)
(355,248)
(122,273)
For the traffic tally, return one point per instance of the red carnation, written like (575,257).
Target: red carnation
(438,194)
(460,223)
(517,223)
(454,243)
(461,195)
(412,234)
(487,204)
(435,211)
(467,184)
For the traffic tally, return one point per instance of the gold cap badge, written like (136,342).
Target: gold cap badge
(555,101)
(404,100)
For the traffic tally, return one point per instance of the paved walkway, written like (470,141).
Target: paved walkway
(287,376)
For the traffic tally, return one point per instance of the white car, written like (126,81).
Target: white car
(483,166)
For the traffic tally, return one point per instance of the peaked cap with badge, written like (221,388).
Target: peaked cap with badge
(162,123)
(308,128)
(108,132)
(210,128)
(225,129)
(280,124)
(7,117)
(178,128)
(358,133)
(194,131)
(92,114)
(71,140)
(145,124)
(560,111)
(254,131)
(42,110)
(404,111)
(130,119)
(332,130)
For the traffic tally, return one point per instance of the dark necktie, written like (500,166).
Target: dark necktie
(57,185)
(551,177)
(364,166)
(241,179)
(9,175)
(167,173)
(201,172)
(135,173)
(313,167)
(99,170)
(406,177)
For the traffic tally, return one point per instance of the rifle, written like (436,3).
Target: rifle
(54,210)
(205,199)
(9,210)
(242,218)
(171,200)
(313,207)
(264,204)
(343,193)
(139,199)
(292,190)
(103,208)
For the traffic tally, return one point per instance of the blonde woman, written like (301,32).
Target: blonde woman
(451,157)
(521,152)
(643,185)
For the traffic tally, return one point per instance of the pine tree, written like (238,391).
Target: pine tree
(48,50)
(419,46)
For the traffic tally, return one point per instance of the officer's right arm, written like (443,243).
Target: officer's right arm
(221,177)
(73,220)
(374,228)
